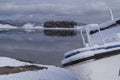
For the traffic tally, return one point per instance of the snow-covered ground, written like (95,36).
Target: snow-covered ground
(51,73)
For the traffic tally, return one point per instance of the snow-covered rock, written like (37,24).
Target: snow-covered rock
(51,73)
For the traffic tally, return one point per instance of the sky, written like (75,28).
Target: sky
(83,11)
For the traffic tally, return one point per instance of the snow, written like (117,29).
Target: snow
(92,27)
(26,26)
(4,61)
(103,25)
(109,35)
(108,23)
(51,73)
(6,27)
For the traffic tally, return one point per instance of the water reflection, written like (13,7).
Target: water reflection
(36,47)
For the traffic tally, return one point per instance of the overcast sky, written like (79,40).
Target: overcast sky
(84,11)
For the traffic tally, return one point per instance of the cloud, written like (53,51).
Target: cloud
(48,7)
(54,9)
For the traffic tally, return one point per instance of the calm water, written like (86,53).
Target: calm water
(36,47)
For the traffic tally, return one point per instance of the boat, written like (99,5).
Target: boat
(99,58)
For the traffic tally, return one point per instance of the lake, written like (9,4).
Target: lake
(36,47)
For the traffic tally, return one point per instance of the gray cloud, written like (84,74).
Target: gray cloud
(80,10)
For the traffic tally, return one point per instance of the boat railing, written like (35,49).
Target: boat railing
(106,43)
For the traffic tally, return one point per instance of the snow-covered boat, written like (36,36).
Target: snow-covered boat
(100,58)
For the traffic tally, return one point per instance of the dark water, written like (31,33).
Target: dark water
(36,47)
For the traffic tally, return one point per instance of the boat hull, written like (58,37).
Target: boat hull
(107,68)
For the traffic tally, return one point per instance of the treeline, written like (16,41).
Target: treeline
(60,24)
(64,24)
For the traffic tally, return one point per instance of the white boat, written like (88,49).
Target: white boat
(100,58)
(101,63)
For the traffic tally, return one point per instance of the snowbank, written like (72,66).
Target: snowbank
(6,27)
(51,73)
